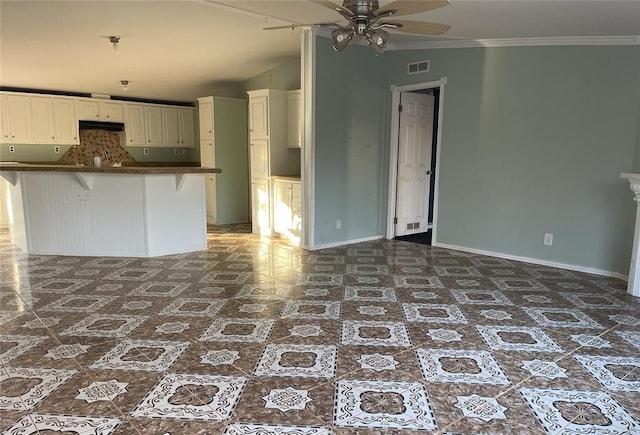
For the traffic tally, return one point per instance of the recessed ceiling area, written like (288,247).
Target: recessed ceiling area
(181,50)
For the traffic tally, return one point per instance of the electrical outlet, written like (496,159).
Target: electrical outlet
(338,224)
(56,149)
(12,149)
(548,239)
(184,152)
(176,151)
(145,151)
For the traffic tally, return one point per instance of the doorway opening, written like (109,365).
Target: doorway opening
(414,157)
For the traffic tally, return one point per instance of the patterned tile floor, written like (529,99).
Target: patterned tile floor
(256,337)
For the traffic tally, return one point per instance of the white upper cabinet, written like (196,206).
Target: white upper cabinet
(170,127)
(205,117)
(88,109)
(153,125)
(4,119)
(53,120)
(112,111)
(259,116)
(19,119)
(187,127)
(42,120)
(294,119)
(92,109)
(65,121)
(178,130)
(135,125)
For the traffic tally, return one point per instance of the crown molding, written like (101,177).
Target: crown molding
(518,42)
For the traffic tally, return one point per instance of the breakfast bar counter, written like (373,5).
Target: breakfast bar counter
(129,211)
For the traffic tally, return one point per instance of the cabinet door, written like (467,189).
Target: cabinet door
(282,213)
(205,117)
(260,208)
(259,116)
(207,153)
(294,120)
(42,120)
(153,125)
(112,111)
(4,119)
(210,192)
(170,127)
(134,125)
(87,110)
(296,211)
(187,129)
(64,120)
(19,111)
(259,158)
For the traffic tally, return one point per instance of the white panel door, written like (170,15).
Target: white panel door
(414,163)
(259,157)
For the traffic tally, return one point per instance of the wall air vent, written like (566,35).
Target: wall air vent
(418,67)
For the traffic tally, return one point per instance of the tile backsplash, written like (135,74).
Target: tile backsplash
(103,143)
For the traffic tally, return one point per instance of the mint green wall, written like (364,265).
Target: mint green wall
(350,143)
(231,153)
(284,77)
(534,141)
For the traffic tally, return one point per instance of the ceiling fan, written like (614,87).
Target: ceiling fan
(366,19)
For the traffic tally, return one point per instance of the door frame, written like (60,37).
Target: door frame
(393,152)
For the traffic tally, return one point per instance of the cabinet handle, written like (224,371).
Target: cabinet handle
(149,140)
(130,140)
(107,116)
(209,131)
(53,137)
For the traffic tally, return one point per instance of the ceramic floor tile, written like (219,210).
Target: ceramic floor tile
(256,335)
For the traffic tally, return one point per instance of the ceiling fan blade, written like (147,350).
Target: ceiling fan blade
(334,6)
(417,27)
(408,7)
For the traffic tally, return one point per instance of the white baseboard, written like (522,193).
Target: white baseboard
(346,242)
(535,261)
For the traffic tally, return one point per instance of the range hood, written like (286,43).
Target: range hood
(101,125)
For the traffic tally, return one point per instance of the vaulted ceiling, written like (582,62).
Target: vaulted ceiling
(179,50)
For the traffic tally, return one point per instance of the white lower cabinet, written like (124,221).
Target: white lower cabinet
(287,209)
(261,207)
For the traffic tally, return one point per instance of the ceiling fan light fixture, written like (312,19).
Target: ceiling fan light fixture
(341,37)
(114,40)
(378,40)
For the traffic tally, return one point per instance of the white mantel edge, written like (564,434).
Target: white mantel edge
(633,286)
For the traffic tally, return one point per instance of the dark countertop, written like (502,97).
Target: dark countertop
(15,166)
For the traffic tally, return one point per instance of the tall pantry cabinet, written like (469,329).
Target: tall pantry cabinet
(268,153)
(223,144)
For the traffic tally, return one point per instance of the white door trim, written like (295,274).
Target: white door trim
(393,154)
(308,95)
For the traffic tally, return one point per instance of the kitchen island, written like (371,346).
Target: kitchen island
(129,211)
